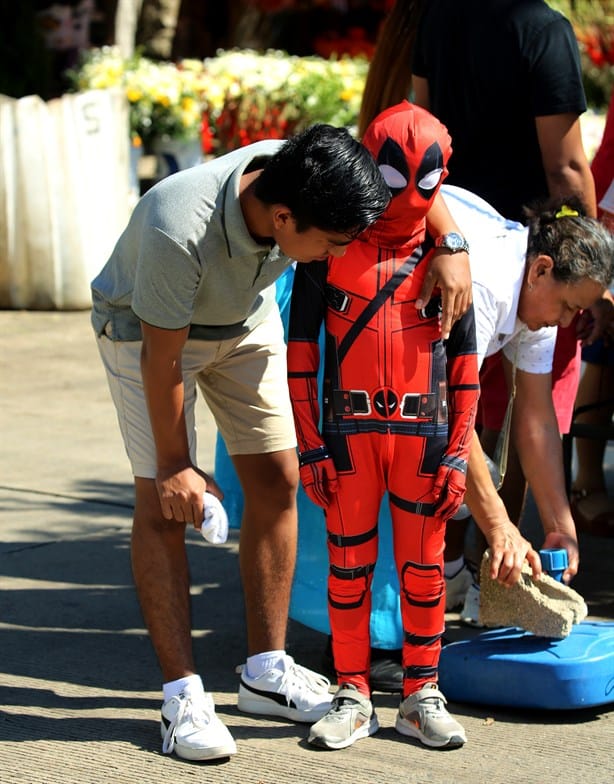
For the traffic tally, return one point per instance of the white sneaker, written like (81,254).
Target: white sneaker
(289,690)
(470,614)
(457,587)
(190,728)
(350,718)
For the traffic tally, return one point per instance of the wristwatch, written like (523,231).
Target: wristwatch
(453,242)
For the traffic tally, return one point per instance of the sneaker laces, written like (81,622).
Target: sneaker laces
(197,714)
(302,678)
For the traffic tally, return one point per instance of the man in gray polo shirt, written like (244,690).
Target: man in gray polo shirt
(185,300)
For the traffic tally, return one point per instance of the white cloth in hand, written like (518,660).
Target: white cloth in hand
(215,522)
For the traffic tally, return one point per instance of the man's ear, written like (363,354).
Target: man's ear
(281,216)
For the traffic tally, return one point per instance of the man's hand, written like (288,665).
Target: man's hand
(181,494)
(509,550)
(450,272)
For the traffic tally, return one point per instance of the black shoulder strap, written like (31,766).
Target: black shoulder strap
(374,305)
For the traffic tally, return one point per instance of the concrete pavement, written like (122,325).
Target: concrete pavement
(79,684)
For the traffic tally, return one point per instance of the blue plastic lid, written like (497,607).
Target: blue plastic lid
(553,560)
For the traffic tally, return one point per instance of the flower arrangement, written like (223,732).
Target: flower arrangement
(274,95)
(597,50)
(593,23)
(229,100)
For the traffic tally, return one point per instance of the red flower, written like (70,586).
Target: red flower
(206,135)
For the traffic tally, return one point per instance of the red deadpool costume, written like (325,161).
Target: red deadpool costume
(398,405)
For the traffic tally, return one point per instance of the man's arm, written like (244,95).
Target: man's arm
(538,442)
(180,485)
(564,160)
(420,86)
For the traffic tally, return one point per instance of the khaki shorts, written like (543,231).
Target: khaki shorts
(243,381)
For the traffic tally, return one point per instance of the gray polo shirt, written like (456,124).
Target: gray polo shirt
(186,257)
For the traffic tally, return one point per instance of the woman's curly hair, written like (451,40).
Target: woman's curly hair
(579,246)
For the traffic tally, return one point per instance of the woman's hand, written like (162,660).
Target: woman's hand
(509,550)
(556,540)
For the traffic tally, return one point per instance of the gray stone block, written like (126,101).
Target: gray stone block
(544,607)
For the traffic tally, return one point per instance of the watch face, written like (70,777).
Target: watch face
(454,241)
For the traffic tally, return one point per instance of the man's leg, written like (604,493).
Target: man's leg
(272,684)
(592,507)
(189,726)
(267,552)
(595,387)
(161,576)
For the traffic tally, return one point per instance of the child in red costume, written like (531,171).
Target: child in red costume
(398,414)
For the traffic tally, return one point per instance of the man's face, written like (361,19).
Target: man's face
(312,244)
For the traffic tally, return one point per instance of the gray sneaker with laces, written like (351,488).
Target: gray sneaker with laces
(190,728)
(350,717)
(423,715)
(288,691)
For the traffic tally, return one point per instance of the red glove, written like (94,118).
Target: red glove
(463,390)
(318,475)
(449,488)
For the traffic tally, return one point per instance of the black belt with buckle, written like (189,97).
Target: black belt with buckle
(348,401)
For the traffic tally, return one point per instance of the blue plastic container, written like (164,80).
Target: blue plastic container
(516,669)
(554,562)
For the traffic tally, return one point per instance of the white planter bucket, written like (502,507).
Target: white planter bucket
(64,195)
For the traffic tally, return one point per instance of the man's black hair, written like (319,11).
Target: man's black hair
(327,179)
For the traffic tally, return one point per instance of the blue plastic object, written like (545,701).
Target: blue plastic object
(554,562)
(308,603)
(514,668)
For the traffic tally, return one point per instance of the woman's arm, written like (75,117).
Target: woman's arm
(508,547)
(538,442)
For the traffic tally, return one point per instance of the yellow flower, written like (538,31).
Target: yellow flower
(133,94)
